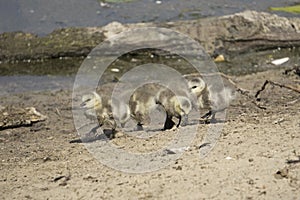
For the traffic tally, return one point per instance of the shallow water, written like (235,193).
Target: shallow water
(57,74)
(42,17)
(27,76)
(27,83)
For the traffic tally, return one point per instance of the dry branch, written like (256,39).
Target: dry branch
(290,87)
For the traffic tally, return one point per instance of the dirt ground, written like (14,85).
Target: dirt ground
(257,155)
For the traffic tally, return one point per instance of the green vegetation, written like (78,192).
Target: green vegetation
(290,9)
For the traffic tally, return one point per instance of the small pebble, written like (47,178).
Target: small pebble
(220,58)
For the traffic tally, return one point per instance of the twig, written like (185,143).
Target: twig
(58,112)
(263,87)
(290,87)
(293,161)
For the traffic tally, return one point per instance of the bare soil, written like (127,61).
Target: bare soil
(257,155)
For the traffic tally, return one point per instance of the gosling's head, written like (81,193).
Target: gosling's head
(92,100)
(183,105)
(196,85)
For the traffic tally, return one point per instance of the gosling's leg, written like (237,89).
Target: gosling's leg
(185,120)
(207,115)
(212,115)
(113,134)
(179,120)
(139,126)
(168,123)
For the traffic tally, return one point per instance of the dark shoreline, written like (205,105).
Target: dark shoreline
(246,39)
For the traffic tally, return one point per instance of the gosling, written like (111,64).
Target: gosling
(174,106)
(199,88)
(106,111)
(142,102)
(215,99)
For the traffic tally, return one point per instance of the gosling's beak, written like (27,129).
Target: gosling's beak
(83,104)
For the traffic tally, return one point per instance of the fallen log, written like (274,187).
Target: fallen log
(13,117)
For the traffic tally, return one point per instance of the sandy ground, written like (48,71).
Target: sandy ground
(257,155)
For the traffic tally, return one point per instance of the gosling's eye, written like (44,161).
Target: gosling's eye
(87,100)
(194,87)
